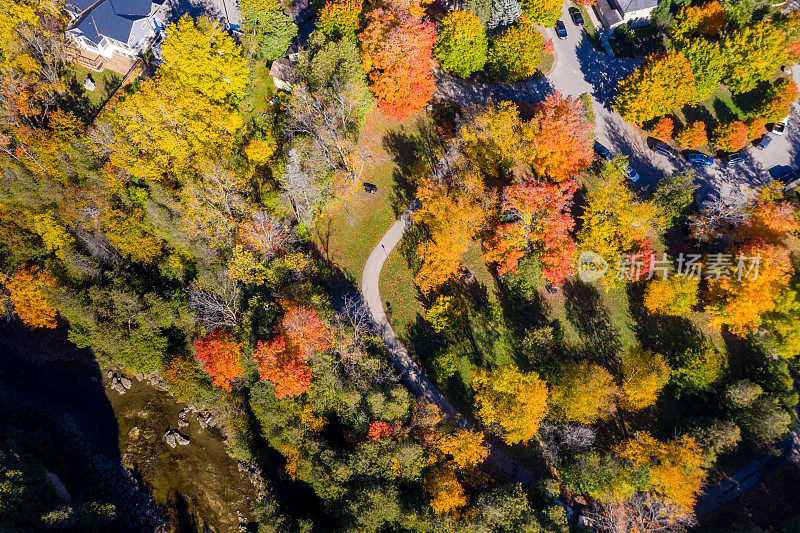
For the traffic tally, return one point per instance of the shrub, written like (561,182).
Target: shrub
(693,135)
(516,53)
(732,136)
(461,44)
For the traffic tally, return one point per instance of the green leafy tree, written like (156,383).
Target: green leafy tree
(461,44)
(698,369)
(752,54)
(782,322)
(660,84)
(268,29)
(708,65)
(674,196)
(515,54)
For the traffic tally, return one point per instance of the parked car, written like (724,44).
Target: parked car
(735,157)
(576,16)
(561,30)
(698,158)
(630,173)
(787,175)
(603,152)
(665,149)
(763,142)
(779,127)
(370,187)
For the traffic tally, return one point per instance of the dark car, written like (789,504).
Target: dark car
(370,187)
(735,157)
(561,30)
(630,173)
(698,158)
(665,150)
(763,142)
(787,175)
(576,16)
(603,152)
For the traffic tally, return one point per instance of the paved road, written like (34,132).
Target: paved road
(410,371)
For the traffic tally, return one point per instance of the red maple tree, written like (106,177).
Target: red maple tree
(284,360)
(221,357)
(396,53)
(379,429)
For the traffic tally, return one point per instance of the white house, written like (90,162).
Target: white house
(111,34)
(634,13)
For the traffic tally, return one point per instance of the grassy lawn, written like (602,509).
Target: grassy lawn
(547,61)
(106,82)
(346,233)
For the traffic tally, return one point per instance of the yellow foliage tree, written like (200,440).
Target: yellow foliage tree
(491,137)
(465,447)
(28,289)
(53,234)
(584,394)
(677,468)
(511,400)
(674,296)
(447,493)
(644,374)
(188,109)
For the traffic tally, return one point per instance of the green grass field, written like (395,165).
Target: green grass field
(106,82)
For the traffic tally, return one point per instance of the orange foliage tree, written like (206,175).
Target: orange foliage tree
(447,493)
(777,101)
(693,135)
(664,128)
(379,429)
(706,19)
(396,51)
(559,139)
(731,136)
(339,18)
(28,289)
(755,127)
(465,447)
(284,360)
(543,222)
(677,468)
(221,357)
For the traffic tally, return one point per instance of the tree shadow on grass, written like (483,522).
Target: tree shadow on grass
(723,111)
(601,342)
(749,101)
(670,336)
(699,113)
(408,148)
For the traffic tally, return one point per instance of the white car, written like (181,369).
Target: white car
(779,127)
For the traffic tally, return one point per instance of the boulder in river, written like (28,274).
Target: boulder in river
(169,437)
(125,382)
(180,439)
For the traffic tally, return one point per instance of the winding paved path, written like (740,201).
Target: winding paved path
(410,371)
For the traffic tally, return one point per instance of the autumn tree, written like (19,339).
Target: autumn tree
(461,44)
(268,235)
(676,468)
(663,128)
(558,139)
(673,295)
(447,314)
(511,402)
(756,126)
(465,447)
(584,394)
(504,13)
(220,354)
(731,136)
(614,223)
(542,12)
(541,221)
(447,493)
(790,26)
(705,19)
(187,110)
(340,18)
(268,30)
(29,289)
(752,54)
(708,65)
(285,359)
(452,212)
(782,322)
(491,137)
(660,84)
(515,53)
(698,369)
(778,100)
(396,53)
(692,136)
(644,374)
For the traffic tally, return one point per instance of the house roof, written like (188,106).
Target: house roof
(78,6)
(629,6)
(112,18)
(282,69)
(607,13)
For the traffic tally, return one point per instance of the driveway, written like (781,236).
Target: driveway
(223,10)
